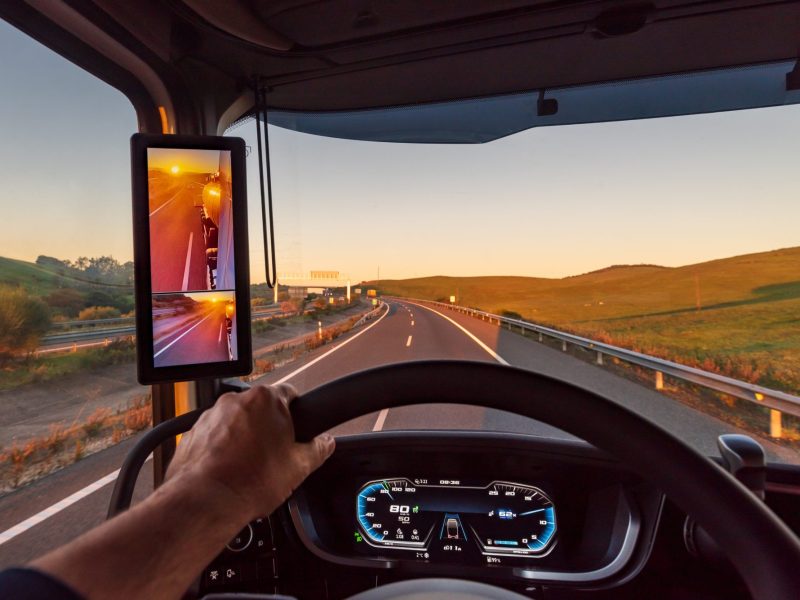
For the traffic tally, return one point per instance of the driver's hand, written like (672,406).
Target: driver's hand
(242,452)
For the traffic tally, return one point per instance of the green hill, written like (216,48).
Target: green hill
(747,325)
(66,290)
(36,280)
(621,291)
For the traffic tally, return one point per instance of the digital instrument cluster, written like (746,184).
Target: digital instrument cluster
(448,520)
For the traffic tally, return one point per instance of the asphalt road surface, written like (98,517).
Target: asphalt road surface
(406,332)
(177,244)
(197,337)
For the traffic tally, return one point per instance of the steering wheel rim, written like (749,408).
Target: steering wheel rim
(769,561)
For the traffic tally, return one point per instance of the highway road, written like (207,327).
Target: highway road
(200,336)
(177,243)
(405,332)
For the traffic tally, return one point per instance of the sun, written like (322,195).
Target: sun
(175,169)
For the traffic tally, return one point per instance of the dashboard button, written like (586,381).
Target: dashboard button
(242,540)
(214,576)
(231,574)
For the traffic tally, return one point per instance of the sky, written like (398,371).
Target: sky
(547,202)
(180,161)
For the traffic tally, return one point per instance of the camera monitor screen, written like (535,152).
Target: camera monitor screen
(190,232)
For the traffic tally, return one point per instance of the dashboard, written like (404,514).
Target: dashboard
(495,507)
(544,517)
(451,519)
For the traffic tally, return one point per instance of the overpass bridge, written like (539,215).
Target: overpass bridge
(313,281)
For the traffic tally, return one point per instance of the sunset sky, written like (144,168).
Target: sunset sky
(547,202)
(194,161)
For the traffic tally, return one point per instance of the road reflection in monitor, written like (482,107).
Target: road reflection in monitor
(195,327)
(191,221)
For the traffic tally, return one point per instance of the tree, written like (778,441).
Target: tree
(48,262)
(99,298)
(23,321)
(67,301)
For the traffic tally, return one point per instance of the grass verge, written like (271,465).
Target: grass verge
(26,370)
(24,462)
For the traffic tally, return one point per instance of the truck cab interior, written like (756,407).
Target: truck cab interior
(602,501)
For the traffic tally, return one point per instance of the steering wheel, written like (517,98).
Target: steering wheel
(761,547)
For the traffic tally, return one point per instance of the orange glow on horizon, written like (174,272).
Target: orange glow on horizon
(187,160)
(212,297)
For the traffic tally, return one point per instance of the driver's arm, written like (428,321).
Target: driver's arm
(239,462)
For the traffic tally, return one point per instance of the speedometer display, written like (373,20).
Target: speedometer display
(500,519)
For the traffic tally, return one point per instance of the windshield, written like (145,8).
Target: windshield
(654,260)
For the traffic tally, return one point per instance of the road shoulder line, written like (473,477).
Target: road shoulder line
(20,528)
(286,378)
(472,336)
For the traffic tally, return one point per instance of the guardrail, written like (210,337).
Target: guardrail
(107,334)
(78,336)
(778,402)
(126,320)
(110,321)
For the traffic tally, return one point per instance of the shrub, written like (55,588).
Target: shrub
(98,312)
(80,448)
(261,326)
(96,422)
(54,442)
(67,301)
(138,417)
(117,352)
(23,321)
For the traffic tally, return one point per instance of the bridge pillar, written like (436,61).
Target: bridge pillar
(275,297)
(348,291)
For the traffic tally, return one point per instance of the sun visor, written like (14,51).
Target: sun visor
(480,120)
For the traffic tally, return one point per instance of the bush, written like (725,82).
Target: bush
(23,321)
(98,312)
(67,301)
(261,326)
(116,352)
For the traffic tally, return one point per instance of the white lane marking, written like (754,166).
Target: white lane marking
(331,351)
(22,527)
(491,352)
(182,335)
(380,420)
(219,337)
(408,342)
(185,285)
(165,203)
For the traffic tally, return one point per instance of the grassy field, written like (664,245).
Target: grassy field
(747,324)
(36,280)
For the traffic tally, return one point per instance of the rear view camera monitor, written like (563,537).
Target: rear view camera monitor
(190,238)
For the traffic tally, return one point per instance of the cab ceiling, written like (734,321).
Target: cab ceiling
(353,54)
